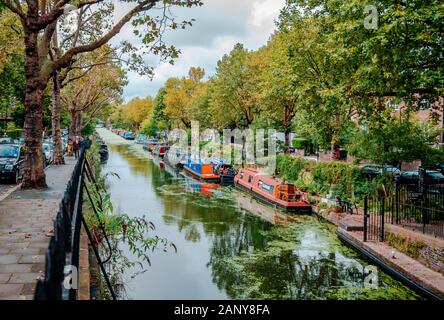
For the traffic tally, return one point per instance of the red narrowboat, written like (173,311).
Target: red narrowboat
(273,191)
(160,150)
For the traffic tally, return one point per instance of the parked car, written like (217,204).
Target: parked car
(373,170)
(412,177)
(11,162)
(440,167)
(129,135)
(8,140)
(47,152)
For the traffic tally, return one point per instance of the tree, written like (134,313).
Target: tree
(137,111)
(179,93)
(233,99)
(39,20)
(355,68)
(159,120)
(278,86)
(88,95)
(391,140)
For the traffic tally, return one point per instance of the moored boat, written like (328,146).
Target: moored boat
(160,150)
(201,169)
(225,170)
(174,158)
(141,139)
(273,191)
(150,144)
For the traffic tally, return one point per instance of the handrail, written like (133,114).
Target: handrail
(64,247)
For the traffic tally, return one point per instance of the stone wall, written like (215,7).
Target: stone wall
(433,258)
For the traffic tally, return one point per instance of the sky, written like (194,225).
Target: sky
(219,25)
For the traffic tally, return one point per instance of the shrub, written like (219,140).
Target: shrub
(343,178)
(300,143)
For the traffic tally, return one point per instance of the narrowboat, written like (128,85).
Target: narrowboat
(104,153)
(174,158)
(129,135)
(160,150)
(201,170)
(141,139)
(273,191)
(150,144)
(225,170)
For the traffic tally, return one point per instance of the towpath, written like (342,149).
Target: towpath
(26,223)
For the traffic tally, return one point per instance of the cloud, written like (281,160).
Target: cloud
(219,25)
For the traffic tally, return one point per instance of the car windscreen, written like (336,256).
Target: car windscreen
(9,151)
(435,175)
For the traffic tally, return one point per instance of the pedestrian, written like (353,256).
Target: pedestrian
(69,147)
(76,146)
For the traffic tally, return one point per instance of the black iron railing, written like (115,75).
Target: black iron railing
(62,256)
(419,207)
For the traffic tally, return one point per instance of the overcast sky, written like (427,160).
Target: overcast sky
(219,25)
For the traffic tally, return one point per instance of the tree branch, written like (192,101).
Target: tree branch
(66,58)
(17,9)
(58,10)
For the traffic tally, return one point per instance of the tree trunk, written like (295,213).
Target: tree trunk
(34,169)
(58,158)
(335,145)
(287,133)
(76,123)
(335,151)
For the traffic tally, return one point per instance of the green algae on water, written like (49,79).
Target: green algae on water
(305,260)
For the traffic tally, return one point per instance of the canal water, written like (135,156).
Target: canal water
(228,245)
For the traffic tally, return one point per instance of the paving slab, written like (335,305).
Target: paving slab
(26,219)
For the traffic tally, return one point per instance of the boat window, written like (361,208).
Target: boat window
(250,179)
(241,175)
(267,187)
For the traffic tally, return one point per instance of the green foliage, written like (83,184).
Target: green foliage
(159,121)
(233,88)
(300,143)
(12,89)
(393,140)
(343,179)
(89,128)
(410,247)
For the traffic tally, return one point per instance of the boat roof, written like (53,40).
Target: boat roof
(265,177)
(218,160)
(197,159)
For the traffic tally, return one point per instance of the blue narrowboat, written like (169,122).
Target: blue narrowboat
(201,170)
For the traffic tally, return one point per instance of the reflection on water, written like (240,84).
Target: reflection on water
(231,246)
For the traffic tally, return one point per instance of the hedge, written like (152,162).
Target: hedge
(344,179)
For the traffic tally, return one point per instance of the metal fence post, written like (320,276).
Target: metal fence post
(382,216)
(365,217)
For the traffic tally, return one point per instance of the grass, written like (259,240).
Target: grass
(412,248)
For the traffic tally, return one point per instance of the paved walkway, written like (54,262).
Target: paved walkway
(26,222)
